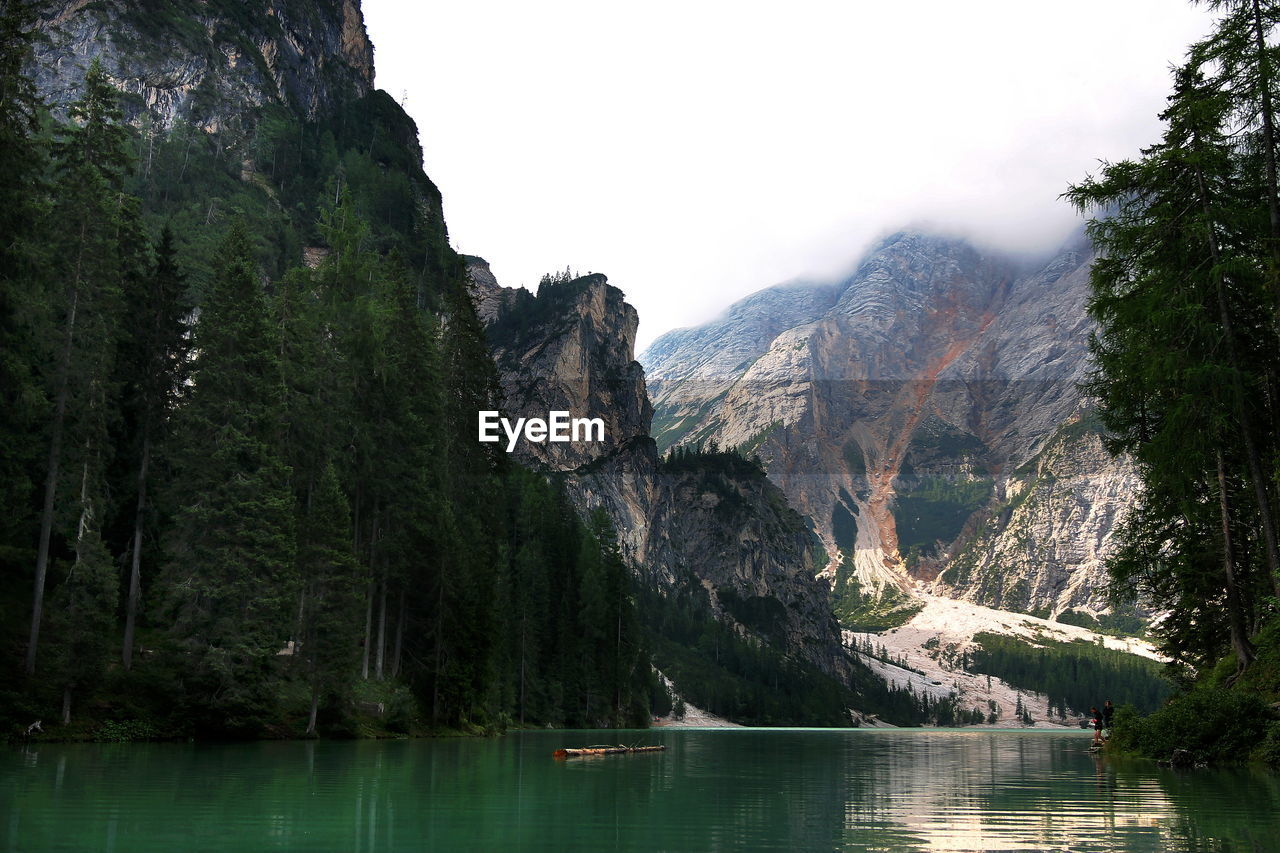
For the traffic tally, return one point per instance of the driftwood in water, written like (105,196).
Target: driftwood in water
(605,750)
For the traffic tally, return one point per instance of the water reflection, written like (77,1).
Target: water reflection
(711,790)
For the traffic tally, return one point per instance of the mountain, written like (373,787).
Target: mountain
(314,540)
(209,63)
(724,531)
(512,604)
(925,415)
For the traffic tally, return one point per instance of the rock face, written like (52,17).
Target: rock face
(1041,549)
(918,414)
(209,63)
(724,528)
(569,349)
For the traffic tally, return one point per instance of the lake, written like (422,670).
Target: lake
(730,790)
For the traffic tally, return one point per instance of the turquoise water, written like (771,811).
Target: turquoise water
(730,790)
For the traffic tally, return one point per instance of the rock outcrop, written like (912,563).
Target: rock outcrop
(1041,548)
(209,63)
(907,409)
(724,528)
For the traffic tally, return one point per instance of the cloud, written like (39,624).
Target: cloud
(696,152)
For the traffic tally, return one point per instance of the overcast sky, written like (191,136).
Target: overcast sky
(698,151)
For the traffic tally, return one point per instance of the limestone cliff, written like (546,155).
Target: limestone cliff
(724,528)
(1041,547)
(211,62)
(904,407)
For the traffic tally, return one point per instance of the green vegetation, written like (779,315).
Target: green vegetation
(880,652)
(1186,296)
(669,429)
(874,612)
(753,444)
(1124,623)
(721,472)
(1075,675)
(1090,423)
(844,524)
(525,321)
(1211,725)
(934,438)
(746,681)
(934,511)
(762,614)
(241,496)
(854,459)
(750,681)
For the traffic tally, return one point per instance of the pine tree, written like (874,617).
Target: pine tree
(1240,66)
(155,365)
(1178,376)
(230,576)
(528,591)
(23,276)
(83,619)
(92,212)
(1245,63)
(594,618)
(329,646)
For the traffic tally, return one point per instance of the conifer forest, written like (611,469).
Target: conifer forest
(241,494)
(237,498)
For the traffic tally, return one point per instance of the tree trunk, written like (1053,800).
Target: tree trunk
(300,624)
(395,661)
(439,650)
(382,626)
(1268,133)
(368,630)
(1252,456)
(51,477)
(66,705)
(617,666)
(355,523)
(1235,617)
(135,570)
(315,704)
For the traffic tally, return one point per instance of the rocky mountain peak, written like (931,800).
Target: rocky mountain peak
(569,348)
(902,407)
(722,531)
(211,62)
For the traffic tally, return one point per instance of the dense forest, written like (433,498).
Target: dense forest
(241,493)
(1075,676)
(238,495)
(1186,296)
(746,678)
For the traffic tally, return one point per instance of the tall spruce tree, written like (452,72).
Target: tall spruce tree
(1181,349)
(92,213)
(329,642)
(528,601)
(155,363)
(230,579)
(23,281)
(408,447)
(459,680)
(1239,62)
(82,619)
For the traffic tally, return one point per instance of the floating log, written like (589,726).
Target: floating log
(604,750)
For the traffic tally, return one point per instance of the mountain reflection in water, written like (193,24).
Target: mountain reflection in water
(731,790)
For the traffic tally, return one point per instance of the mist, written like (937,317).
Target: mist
(697,153)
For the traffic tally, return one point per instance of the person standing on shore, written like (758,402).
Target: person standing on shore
(1108,711)
(1097,725)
